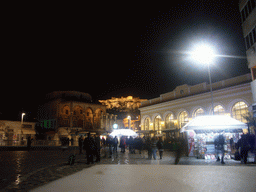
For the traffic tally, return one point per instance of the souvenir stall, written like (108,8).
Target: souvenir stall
(202,131)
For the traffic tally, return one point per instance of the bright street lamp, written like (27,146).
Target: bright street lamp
(22,115)
(204,54)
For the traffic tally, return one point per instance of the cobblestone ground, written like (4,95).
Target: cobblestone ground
(47,174)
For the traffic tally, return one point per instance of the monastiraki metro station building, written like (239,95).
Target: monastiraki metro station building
(167,114)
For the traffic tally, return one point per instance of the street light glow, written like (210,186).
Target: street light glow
(203,54)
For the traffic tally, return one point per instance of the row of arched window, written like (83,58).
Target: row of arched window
(80,117)
(239,111)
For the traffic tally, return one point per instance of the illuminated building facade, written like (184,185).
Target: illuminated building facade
(166,114)
(248,14)
(126,109)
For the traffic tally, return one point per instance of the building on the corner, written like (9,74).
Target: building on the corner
(15,133)
(70,113)
(248,14)
(168,113)
(126,110)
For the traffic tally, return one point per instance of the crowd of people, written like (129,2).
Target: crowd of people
(93,145)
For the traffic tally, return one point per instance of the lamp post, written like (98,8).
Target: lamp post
(205,55)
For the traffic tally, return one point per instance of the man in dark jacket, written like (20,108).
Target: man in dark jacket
(244,145)
(98,147)
(90,147)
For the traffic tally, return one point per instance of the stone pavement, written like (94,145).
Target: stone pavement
(54,172)
(131,178)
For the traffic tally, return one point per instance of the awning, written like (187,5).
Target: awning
(123,132)
(214,122)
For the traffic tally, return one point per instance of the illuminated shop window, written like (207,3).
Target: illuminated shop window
(239,110)
(183,118)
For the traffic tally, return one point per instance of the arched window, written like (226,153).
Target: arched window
(199,112)
(169,121)
(183,118)
(78,116)
(146,124)
(239,110)
(157,124)
(97,118)
(219,110)
(88,118)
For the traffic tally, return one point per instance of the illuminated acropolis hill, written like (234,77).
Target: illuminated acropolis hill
(123,103)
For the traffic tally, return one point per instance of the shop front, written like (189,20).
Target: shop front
(202,131)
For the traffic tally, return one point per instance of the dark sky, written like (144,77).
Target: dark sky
(118,49)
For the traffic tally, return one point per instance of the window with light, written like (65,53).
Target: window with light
(183,118)
(199,112)
(169,121)
(239,111)
(157,124)
(147,124)
(219,110)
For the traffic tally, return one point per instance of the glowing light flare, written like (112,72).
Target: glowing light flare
(203,54)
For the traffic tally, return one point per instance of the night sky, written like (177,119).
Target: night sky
(113,49)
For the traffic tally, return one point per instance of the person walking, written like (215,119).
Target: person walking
(115,143)
(244,146)
(81,142)
(29,141)
(180,148)
(98,148)
(154,147)
(90,148)
(131,145)
(160,147)
(109,143)
(219,147)
(122,144)
(148,147)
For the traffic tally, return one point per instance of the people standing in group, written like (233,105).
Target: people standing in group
(153,147)
(160,147)
(219,142)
